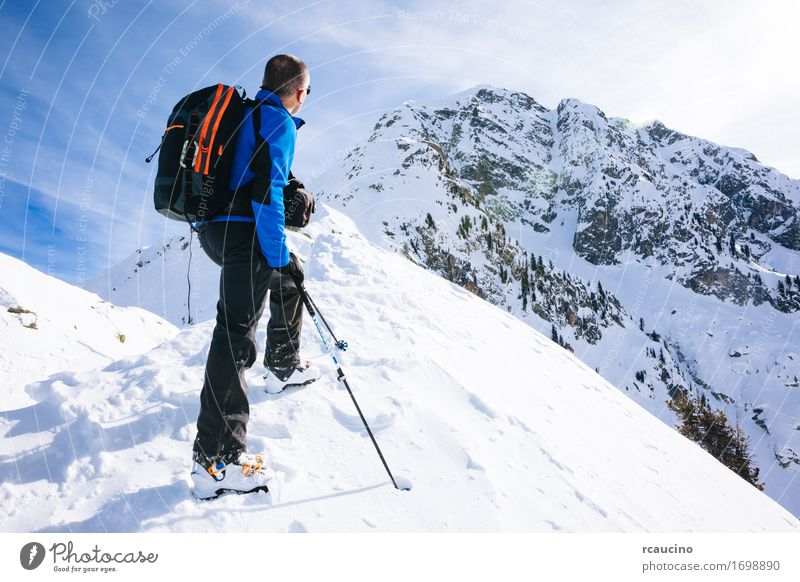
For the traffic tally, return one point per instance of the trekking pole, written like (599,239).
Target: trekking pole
(340,344)
(341,377)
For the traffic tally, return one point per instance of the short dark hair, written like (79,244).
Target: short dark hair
(284,74)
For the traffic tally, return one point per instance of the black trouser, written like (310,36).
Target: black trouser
(244,281)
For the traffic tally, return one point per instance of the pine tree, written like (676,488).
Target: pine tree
(712,431)
(641,323)
(525,284)
(741,459)
(464,226)
(554,333)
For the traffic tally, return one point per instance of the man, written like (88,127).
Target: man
(248,241)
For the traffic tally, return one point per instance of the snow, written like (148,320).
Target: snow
(67,328)
(150,278)
(495,427)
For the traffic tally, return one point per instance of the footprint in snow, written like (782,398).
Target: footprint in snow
(472,464)
(482,407)
(274,431)
(353,422)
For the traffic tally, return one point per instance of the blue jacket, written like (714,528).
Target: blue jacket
(279,130)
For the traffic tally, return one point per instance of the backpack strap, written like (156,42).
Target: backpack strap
(261,162)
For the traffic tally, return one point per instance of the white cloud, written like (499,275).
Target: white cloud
(705,68)
(724,71)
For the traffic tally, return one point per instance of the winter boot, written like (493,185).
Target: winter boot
(246,473)
(278,380)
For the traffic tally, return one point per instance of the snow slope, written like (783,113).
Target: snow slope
(537,176)
(151,277)
(496,427)
(47,325)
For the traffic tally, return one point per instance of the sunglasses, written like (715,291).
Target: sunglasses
(308,89)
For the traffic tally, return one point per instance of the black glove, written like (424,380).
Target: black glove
(298,203)
(292,186)
(293,269)
(293,182)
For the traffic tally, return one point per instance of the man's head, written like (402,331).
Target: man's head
(287,77)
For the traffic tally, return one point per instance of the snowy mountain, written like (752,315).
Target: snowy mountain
(497,427)
(165,280)
(666,262)
(491,164)
(587,229)
(48,326)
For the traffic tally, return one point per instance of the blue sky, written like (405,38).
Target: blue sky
(86,87)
